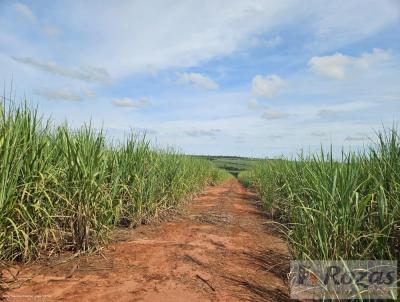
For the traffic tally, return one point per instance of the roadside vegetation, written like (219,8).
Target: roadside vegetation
(232,164)
(64,189)
(347,208)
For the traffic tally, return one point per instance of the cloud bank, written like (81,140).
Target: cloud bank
(130,103)
(267,86)
(196,79)
(85,73)
(339,66)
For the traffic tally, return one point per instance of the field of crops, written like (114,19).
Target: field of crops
(232,164)
(63,189)
(347,208)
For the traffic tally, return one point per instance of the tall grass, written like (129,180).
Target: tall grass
(65,189)
(337,209)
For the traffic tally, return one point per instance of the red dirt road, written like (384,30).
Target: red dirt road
(217,249)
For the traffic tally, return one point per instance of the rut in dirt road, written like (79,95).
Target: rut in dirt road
(219,249)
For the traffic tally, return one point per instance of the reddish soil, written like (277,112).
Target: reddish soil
(219,248)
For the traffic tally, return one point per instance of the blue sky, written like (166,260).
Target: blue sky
(253,78)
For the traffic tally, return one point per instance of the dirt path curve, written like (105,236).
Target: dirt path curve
(218,249)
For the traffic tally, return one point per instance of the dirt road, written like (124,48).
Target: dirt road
(218,249)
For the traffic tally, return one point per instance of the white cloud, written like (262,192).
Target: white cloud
(353,105)
(146,131)
(358,137)
(318,133)
(85,73)
(66,94)
(339,66)
(275,136)
(196,79)
(377,55)
(272,114)
(254,104)
(334,110)
(51,31)
(193,33)
(267,86)
(203,132)
(89,93)
(333,66)
(60,94)
(273,42)
(200,31)
(267,43)
(25,11)
(340,22)
(327,113)
(128,102)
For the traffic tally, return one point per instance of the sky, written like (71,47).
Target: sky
(220,77)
